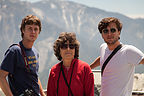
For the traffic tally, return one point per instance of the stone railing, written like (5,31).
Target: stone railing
(138,86)
(138,79)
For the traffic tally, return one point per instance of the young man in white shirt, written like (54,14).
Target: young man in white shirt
(117,78)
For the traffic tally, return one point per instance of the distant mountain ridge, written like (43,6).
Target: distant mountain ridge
(58,16)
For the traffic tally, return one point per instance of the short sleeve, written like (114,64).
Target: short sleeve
(134,55)
(9,61)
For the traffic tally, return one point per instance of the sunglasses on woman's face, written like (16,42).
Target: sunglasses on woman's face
(112,30)
(65,46)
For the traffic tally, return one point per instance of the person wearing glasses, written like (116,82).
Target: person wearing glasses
(21,64)
(71,76)
(118,74)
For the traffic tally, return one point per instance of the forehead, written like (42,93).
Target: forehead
(68,42)
(112,25)
(32,25)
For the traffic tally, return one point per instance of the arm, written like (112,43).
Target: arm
(142,61)
(41,89)
(89,82)
(4,84)
(51,90)
(95,63)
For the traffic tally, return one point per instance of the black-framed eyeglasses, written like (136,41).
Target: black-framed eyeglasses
(65,46)
(112,30)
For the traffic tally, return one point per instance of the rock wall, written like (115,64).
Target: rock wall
(138,82)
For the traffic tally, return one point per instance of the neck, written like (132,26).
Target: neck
(27,44)
(113,46)
(67,63)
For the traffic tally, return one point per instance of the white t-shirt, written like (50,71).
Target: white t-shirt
(117,79)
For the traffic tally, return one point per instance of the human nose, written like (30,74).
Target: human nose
(33,31)
(109,33)
(68,48)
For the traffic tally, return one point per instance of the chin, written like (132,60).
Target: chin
(69,58)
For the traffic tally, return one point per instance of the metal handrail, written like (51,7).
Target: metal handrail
(137,92)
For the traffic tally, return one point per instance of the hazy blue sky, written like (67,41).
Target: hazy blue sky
(131,8)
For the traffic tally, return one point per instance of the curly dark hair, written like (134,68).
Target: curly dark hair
(105,22)
(64,37)
(29,20)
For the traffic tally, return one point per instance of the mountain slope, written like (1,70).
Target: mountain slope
(58,16)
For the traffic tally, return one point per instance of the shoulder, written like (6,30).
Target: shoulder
(130,48)
(13,48)
(103,45)
(56,67)
(55,70)
(35,51)
(83,67)
(82,64)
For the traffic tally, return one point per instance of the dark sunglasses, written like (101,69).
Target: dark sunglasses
(65,46)
(105,31)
